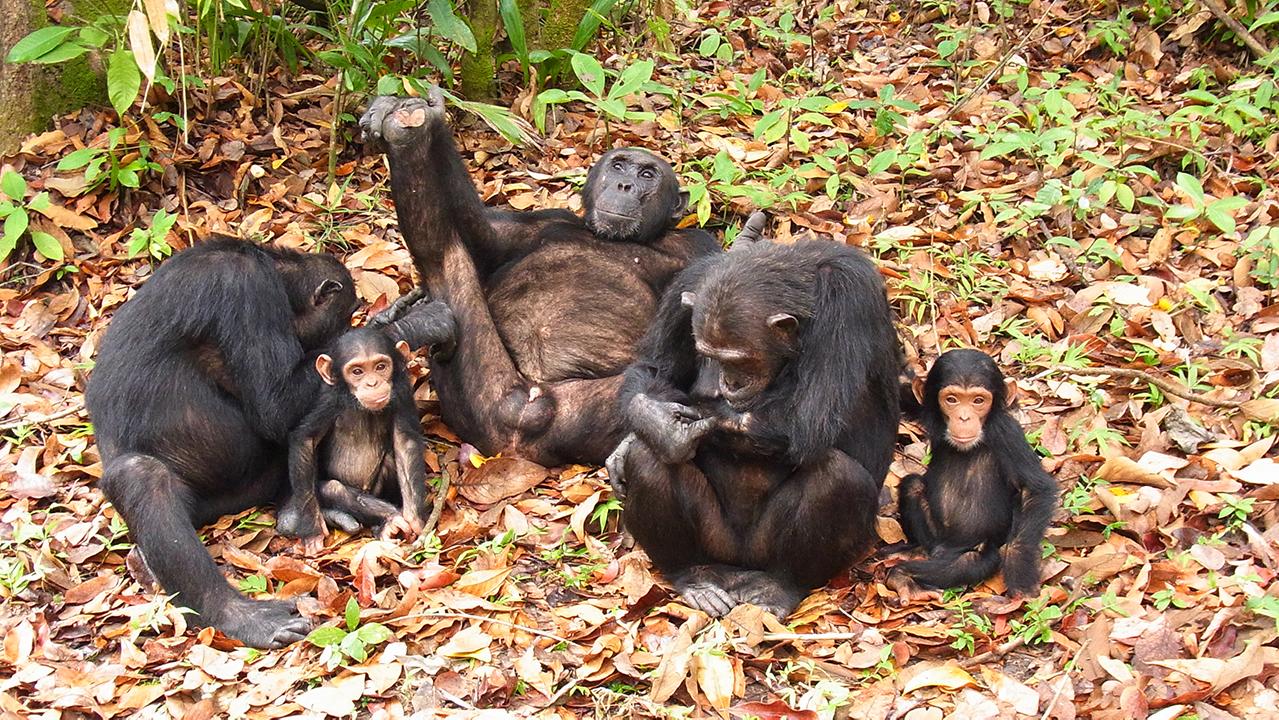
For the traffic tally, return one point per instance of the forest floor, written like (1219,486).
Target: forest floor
(1028,189)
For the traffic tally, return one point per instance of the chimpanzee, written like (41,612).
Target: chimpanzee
(764,407)
(549,306)
(197,384)
(984,492)
(364,434)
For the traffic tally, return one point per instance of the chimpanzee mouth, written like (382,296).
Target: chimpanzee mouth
(615,215)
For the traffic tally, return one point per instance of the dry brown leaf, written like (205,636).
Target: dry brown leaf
(947,675)
(499,478)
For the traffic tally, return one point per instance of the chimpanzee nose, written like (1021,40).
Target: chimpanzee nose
(624,186)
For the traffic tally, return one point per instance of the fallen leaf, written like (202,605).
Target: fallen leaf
(499,478)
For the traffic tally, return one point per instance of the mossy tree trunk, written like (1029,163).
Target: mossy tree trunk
(562,19)
(479,69)
(30,95)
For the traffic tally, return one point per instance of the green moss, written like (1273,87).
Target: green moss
(562,19)
(479,69)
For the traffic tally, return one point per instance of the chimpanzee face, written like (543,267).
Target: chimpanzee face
(632,195)
(365,368)
(961,390)
(740,353)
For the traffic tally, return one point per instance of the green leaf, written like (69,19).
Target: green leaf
(374,633)
(326,636)
(590,23)
(770,128)
(14,226)
(352,614)
(1181,212)
(94,36)
(138,241)
(450,26)
(47,244)
(1190,185)
(1220,217)
(589,72)
(38,43)
(635,75)
(77,159)
(123,80)
(708,45)
(353,647)
(513,22)
(882,161)
(553,96)
(1125,196)
(13,185)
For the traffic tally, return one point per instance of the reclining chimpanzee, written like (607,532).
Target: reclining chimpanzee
(549,306)
(764,406)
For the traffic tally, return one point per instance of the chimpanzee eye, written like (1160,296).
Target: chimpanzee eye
(381,367)
(952,400)
(617,164)
(647,174)
(357,371)
(979,401)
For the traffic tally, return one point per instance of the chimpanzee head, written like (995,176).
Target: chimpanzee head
(746,327)
(962,389)
(631,195)
(321,294)
(367,362)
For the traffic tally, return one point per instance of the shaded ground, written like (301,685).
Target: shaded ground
(1019,183)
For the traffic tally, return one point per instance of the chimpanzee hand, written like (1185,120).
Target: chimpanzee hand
(302,520)
(393,120)
(615,465)
(752,231)
(398,308)
(672,430)
(402,525)
(428,323)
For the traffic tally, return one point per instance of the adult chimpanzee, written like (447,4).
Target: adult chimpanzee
(984,491)
(549,306)
(764,406)
(365,436)
(197,384)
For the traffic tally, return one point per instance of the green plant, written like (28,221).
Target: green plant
(1167,598)
(254,584)
(1261,246)
(966,622)
(603,510)
(15,210)
(549,63)
(1217,211)
(1078,499)
(352,642)
(1036,624)
(1265,606)
(1113,32)
(153,240)
(594,77)
(1235,510)
(118,164)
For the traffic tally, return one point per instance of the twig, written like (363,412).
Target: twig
(998,652)
(784,637)
(1061,687)
(1163,385)
(437,506)
(1236,27)
(484,618)
(71,409)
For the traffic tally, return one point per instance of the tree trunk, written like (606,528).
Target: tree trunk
(479,69)
(562,19)
(30,95)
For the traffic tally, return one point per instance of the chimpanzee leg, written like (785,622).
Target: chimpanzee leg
(158,506)
(916,514)
(673,513)
(370,511)
(813,526)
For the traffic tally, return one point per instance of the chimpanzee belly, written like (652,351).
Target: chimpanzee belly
(357,452)
(570,311)
(977,507)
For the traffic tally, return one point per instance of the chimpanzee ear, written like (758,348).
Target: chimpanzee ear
(687,299)
(405,350)
(1010,392)
(784,324)
(324,366)
(324,291)
(680,207)
(917,386)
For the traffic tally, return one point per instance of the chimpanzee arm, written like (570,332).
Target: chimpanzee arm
(426,323)
(655,387)
(300,516)
(838,373)
(916,514)
(1034,508)
(410,467)
(252,326)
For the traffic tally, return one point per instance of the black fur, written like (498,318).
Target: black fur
(977,509)
(197,384)
(781,489)
(549,306)
(377,456)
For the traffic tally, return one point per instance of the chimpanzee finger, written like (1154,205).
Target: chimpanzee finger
(293,631)
(397,307)
(614,465)
(752,231)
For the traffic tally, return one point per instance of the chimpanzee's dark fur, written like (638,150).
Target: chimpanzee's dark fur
(197,384)
(974,504)
(759,495)
(549,306)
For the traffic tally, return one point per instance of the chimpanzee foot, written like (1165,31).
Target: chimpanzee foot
(398,307)
(707,597)
(342,520)
(615,464)
(766,592)
(397,121)
(265,624)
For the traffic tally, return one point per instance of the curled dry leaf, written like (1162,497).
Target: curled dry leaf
(499,478)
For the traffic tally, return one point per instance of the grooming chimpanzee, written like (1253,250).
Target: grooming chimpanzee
(363,435)
(549,306)
(984,491)
(197,385)
(764,407)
